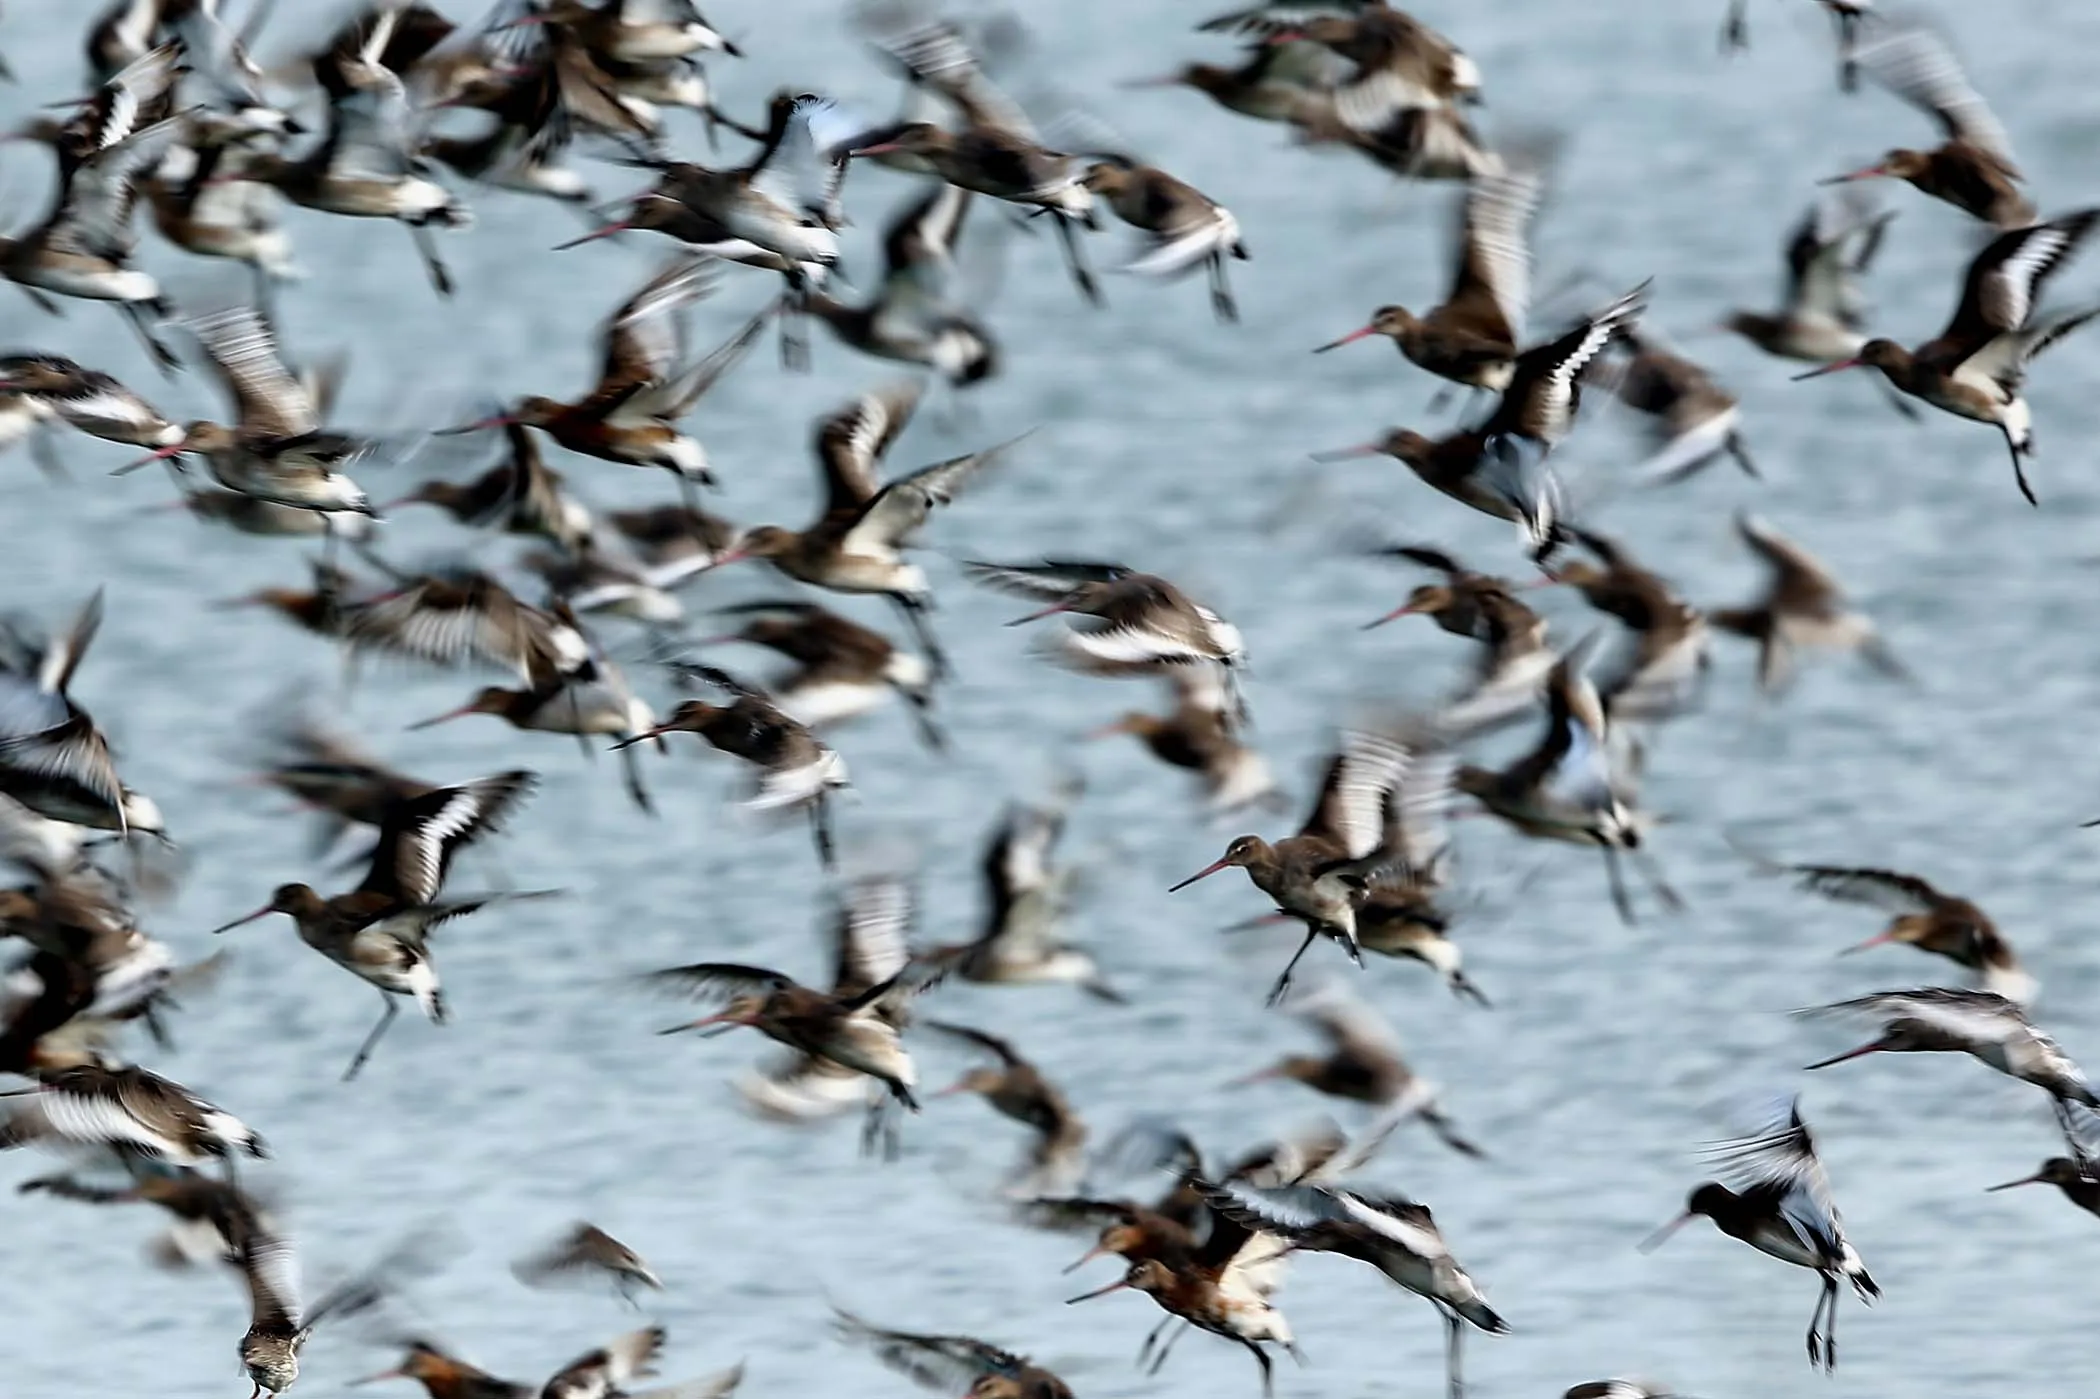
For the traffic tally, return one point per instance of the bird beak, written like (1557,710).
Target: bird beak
(1863,1050)
(1875,941)
(1117,1286)
(1286,36)
(1367,449)
(1655,1240)
(1163,80)
(483,425)
(615,227)
(2023,1180)
(658,732)
(1089,1256)
(879,148)
(447,717)
(727,1020)
(382,1375)
(1870,172)
(1393,616)
(1051,611)
(1828,369)
(1120,726)
(1258,1076)
(720,560)
(264,912)
(1206,872)
(959,1086)
(1350,339)
(173,449)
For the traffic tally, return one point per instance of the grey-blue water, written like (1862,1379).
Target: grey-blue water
(1167,442)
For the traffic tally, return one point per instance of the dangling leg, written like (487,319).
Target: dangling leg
(914,610)
(1740,450)
(820,827)
(631,769)
(1268,1369)
(1830,1325)
(1651,870)
(1454,1331)
(921,705)
(1221,302)
(45,455)
(1075,260)
(426,248)
(1815,1322)
(1619,898)
(1152,1338)
(141,314)
(2019,460)
(1159,1360)
(364,1051)
(1283,983)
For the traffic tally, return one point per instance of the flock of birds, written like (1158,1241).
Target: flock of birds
(180,120)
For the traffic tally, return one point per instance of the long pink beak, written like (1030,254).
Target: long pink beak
(617,226)
(1105,731)
(447,717)
(1875,941)
(173,449)
(1286,36)
(1350,339)
(1366,449)
(1206,872)
(1163,80)
(879,148)
(1829,369)
(264,912)
(1407,610)
(959,1086)
(482,425)
(1858,1053)
(1050,611)
(1655,1240)
(382,1375)
(1258,1076)
(1116,1286)
(1097,1251)
(1869,172)
(658,732)
(722,560)
(725,1018)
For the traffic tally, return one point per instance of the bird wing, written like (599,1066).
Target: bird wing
(2005,279)
(949,1363)
(1779,1155)
(852,442)
(872,933)
(1495,247)
(998,1048)
(1916,64)
(1049,581)
(706,981)
(1350,810)
(642,342)
(268,398)
(1982,1016)
(898,510)
(421,836)
(270,1268)
(1800,583)
(1883,889)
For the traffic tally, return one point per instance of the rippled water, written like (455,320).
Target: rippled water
(1169,443)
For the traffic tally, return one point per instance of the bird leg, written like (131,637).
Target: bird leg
(364,1051)
(1221,302)
(1454,1331)
(1651,870)
(2019,461)
(1740,450)
(631,770)
(1283,983)
(878,1131)
(922,718)
(45,455)
(1159,1360)
(1620,900)
(914,610)
(1268,1368)
(1075,260)
(426,248)
(140,316)
(1152,1337)
(820,827)
(1815,1321)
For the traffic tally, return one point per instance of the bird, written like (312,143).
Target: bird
(1802,608)
(279,1324)
(855,545)
(379,931)
(461,616)
(1976,366)
(1982,1024)
(1692,418)
(519,495)
(918,316)
(1851,18)
(2078,1179)
(1822,310)
(1025,897)
(1015,1088)
(446,1376)
(1203,735)
(1395,1235)
(1925,917)
(647,383)
(606,1372)
(1183,227)
(1973,169)
(1665,673)
(1781,1205)
(201,1207)
(1362,1064)
(1472,338)
(944,1363)
(54,758)
(1136,624)
(586,1248)
(850,1031)
(796,769)
(132,1111)
(842,669)
(1321,874)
